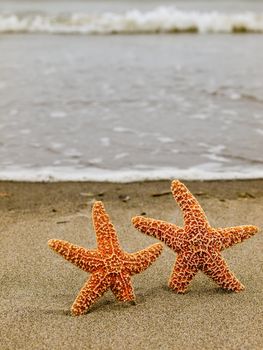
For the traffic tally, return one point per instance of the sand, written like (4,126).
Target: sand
(38,286)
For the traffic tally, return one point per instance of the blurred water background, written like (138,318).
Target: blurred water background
(127,90)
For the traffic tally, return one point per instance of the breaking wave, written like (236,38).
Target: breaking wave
(159,20)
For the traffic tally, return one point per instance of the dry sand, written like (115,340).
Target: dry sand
(38,286)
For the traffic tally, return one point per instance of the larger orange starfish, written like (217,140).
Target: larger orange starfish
(197,244)
(111,267)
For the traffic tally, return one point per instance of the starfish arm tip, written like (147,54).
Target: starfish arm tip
(176,182)
(255,229)
(77,312)
(140,261)
(164,231)
(158,247)
(135,220)
(155,250)
(93,289)
(98,205)
(233,235)
(141,222)
(240,289)
(250,229)
(236,287)
(73,312)
(52,243)
(176,185)
(107,239)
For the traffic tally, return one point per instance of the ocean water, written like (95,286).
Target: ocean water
(126,90)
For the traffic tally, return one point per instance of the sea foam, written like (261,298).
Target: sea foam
(58,174)
(160,20)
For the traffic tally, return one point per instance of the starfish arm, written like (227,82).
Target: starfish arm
(93,289)
(217,269)
(86,260)
(233,235)
(192,211)
(106,235)
(164,231)
(183,272)
(140,261)
(122,288)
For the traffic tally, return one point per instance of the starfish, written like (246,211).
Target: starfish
(109,265)
(197,244)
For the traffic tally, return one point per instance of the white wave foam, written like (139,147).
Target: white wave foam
(159,20)
(126,175)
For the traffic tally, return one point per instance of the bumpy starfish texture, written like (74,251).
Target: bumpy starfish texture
(197,244)
(110,267)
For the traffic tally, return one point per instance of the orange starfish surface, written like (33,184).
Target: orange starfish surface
(197,244)
(111,267)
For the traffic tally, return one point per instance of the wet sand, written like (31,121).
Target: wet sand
(38,286)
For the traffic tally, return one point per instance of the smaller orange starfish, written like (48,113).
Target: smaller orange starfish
(197,244)
(111,267)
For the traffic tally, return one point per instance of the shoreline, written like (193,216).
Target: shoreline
(68,174)
(38,287)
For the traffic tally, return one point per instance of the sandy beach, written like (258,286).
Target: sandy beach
(107,100)
(38,287)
